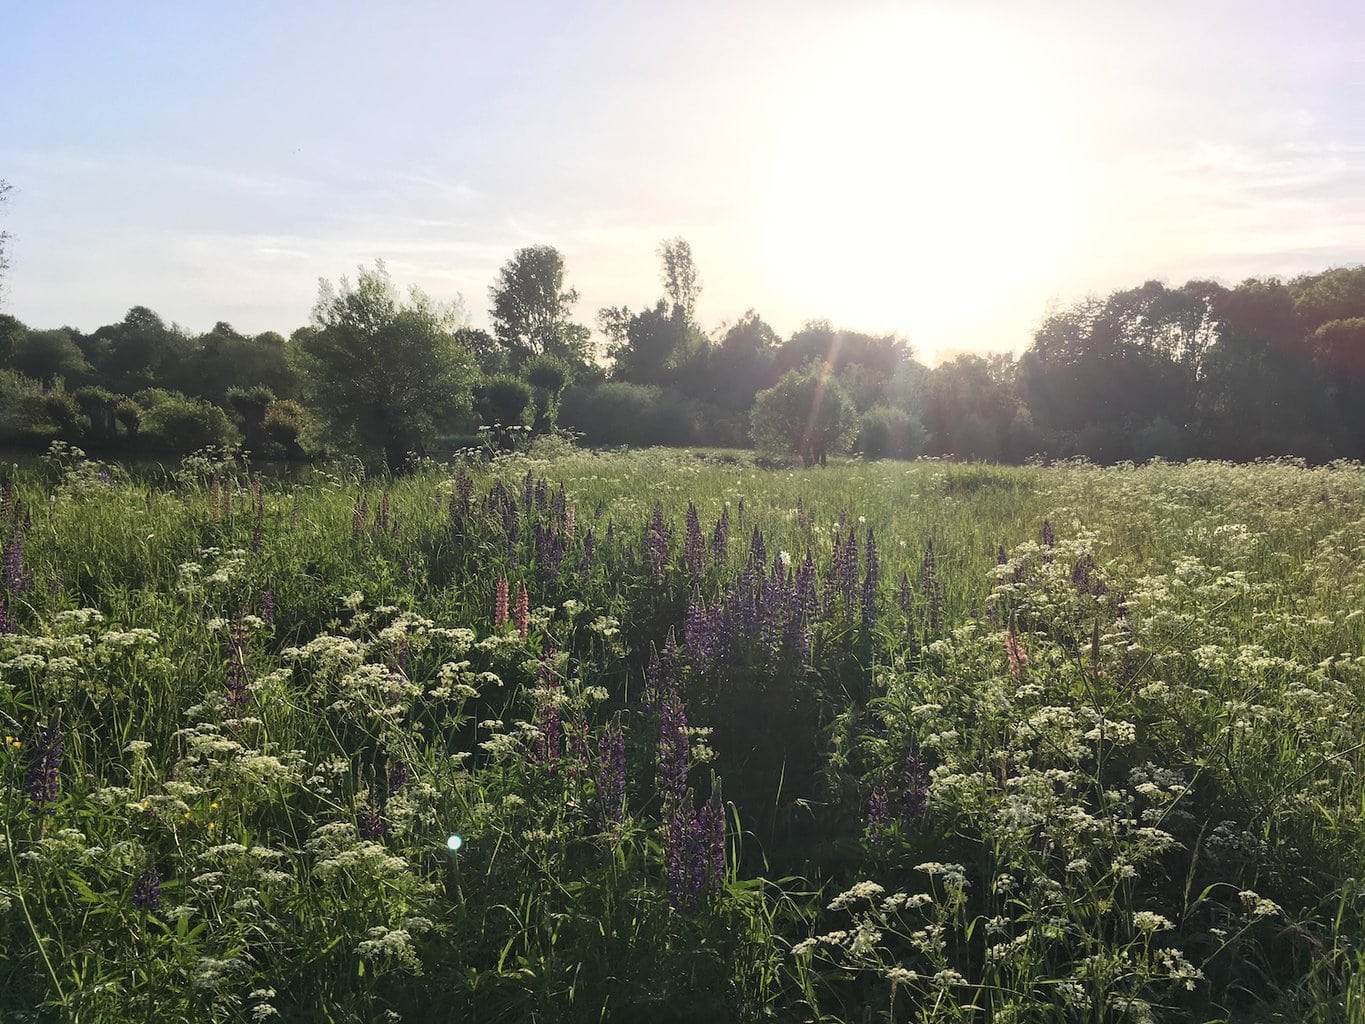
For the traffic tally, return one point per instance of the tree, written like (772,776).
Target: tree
(531,309)
(679,273)
(384,370)
(142,352)
(805,413)
(548,377)
(47,355)
(502,402)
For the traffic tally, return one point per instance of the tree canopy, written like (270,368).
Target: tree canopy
(532,309)
(386,371)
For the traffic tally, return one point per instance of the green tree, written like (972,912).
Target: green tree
(548,377)
(140,352)
(682,285)
(383,370)
(502,402)
(47,355)
(805,413)
(531,310)
(11,330)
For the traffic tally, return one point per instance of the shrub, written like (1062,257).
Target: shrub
(806,413)
(886,432)
(185,424)
(635,414)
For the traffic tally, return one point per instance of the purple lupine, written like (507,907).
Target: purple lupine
(1080,574)
(694,547)
(43,780)
(671,777)
(697,633)
(549,544)
(656,542)
(758,551)
(914,784)
(14,575)
(359,514)
(872,571)
(1049,538)
(398,776)
(7,623)
(611,774)
(878,813)
(720,537)
(559,503)
(848,579)
(464,486)
(903,596)
(528,490)
(589,549)
(147,890)
(1001,558)
(542,494)
(267,607)
(371,821)
(257,537)
(549,743)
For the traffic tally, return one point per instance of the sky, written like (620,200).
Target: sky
(947,171)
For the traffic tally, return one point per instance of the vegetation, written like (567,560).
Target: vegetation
(608,737)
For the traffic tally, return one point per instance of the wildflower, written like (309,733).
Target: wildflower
(500,604)
(611,773)
(870,580)
(694,548)
(914,784)
(523,610)
(878,813)
(14,576)
(1014,652)
(371,824)
(147,891)
(42,782)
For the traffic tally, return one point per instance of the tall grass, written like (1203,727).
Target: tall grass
(1086,744)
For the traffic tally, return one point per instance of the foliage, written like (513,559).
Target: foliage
(806,413)
(628,414)
(178,423)
(384,371)
(887,432)
(48,356)
(531,310)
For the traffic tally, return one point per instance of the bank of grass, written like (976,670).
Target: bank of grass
(1087,747)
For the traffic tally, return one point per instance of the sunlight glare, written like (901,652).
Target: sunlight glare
(922,169)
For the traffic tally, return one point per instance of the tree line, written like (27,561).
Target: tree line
(1265,368)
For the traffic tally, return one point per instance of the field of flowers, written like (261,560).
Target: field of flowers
(667,736)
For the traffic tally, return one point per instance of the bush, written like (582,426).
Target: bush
(184,424)
(806,413)
(634,414)
(885,432)
(21,404)
(285,424)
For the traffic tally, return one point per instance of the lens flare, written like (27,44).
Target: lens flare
(454,843)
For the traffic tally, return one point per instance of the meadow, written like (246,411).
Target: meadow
(666,735)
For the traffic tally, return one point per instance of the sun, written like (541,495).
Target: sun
(920,170)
